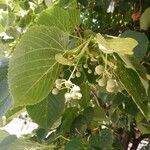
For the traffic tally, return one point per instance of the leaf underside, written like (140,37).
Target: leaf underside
(33,68)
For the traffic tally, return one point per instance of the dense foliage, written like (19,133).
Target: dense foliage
(81,70)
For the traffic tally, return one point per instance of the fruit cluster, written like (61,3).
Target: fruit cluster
(73,91)
(105,80)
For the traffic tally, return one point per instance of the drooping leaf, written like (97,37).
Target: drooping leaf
(132,83)
(33,68)
(5,98)
(141,48)
(47,112)
(65,20)
(145,19)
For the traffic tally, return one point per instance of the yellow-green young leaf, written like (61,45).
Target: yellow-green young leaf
(122,45)
(33,68)
(145,19)
(65,20)
(47,112)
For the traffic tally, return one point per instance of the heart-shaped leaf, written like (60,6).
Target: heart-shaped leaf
(33,68)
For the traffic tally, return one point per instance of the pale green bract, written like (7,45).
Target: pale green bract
(33,68)
(118,45)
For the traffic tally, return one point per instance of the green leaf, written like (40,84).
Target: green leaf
(79,125)
(144,127)
(10,142)
(142,124)
(67,119)
(141,38)
(7,141)
(85,88)
(33,68)
(117,100)
(131,82)
(65,20)
(47,112)
(133,63)
(88,113)
(3,134)
(74,144)
(99,114)
(103,140)
(5,98)
(145,19)
(74,18)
